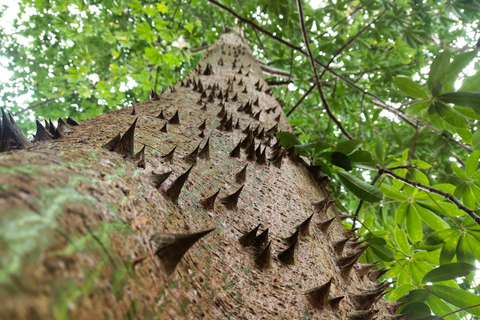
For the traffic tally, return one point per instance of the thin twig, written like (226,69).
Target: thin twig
(317,78)
(456,311)
(33,106)
(358,7)
(441,193)
(301,100)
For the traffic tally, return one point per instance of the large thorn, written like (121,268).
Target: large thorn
(235,153)
(159,178)
(248,238)
(343,261)
(366,300)
(241,176)
(191,158)
(205,152)
(324,225)
(42,134)
(374,275)
(72,122)
(11,137)
(175,119)
(304,227)
(338,246)
(261,240)
(263,258)
(170,248)
(231,201)
(209,203)
(126,144)
(364,268)
(318,296)
(288,255)
(335,302)
(174,190)
(169,156)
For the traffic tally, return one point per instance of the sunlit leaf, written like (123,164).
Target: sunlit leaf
(410,87)
(448,271)
(458,297)
(360,188)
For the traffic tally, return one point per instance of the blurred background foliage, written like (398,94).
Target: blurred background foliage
(406,87)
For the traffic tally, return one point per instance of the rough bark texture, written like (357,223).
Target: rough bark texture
(85,231)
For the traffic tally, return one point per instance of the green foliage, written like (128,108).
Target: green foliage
(409,60)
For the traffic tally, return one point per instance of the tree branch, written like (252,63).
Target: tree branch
(33,106)
(441,193)
(377,101)
(315,73)
(301,99)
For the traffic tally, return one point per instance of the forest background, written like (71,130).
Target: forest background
(394,122)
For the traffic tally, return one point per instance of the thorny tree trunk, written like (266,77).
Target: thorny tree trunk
(85,220)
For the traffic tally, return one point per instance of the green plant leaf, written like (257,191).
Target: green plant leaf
(417,107)
(414,225)
(450,115)
(287,139)
(456,66)
(476,140)
(392,193)
(472,163)
(401,213)
(471,83)
(338,159)
(439,67)
(449,249)
(448,271)
(464,99)
(402,241)
(362,159)
(458,297)
(348,146)
(410,87)
(430,218)
(439,308)
(360,188)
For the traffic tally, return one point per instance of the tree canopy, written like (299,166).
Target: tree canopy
(391,114)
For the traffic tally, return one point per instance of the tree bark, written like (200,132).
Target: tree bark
(90,228)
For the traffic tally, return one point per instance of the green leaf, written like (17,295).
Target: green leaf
(417,107)
(476,140)
(449,249)
(459,172)
(430,218)
(434,117)
(418,311)
(471,83)
(472,163)
(392,193)
(465,134)
(287,139)
(463,98)
(400,291)
(348,146)
(362,159)
(457,65)
(421,164)
(401,213)
(448,271)
(414,225)
(450,115)
(410,87)
(382,252)
(359,188)
(439,308)
(458,297)
(402,241)
(464,252)
(338,159)
(439,67)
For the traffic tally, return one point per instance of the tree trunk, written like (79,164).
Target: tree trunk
(92,230)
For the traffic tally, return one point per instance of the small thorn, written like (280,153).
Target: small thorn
(112,144)
(292,239)
(222,112)
(245,90)
(271,132)
(164,128)
(239,71)
(204,107)
(335,302)
(235,97)
(277,118)
(343,261)
(255,103)
(175,119)
(318,296)
(230,201)
(203,125)
(170,248)
(366,300)
(42,134)
(220,95)
(191,158)
(140,156)
(262,159)
(247,129)
(362,315)
(241,176)
(72,122)
(205,152)
(339,246)
(237,125)
(374,275)
(208,70)
(161,115)
(251,152)
(263,258)
(209,203)
(278,161)
(288,255)
(261,240)
(304,227)
(323,205)
(248,238)
(324,225)
(134,112)
(235,153)
(261,134)
(159,178)
(349,232)
(173,192)
(392,307)
(364,268)
(258,151)
(347,269)
(169,156)
(63,126)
